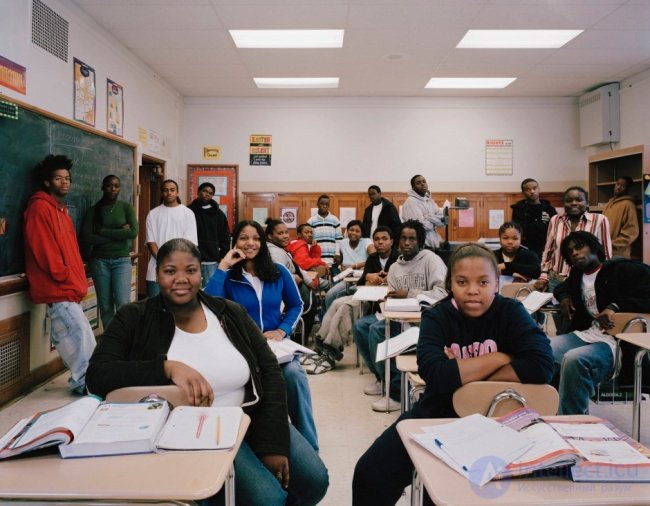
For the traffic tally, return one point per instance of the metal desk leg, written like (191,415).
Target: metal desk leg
(230,487)
(404,403)
(387,367)
(417,496)
(636,409)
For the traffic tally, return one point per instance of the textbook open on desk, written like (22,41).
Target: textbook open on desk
(88,428)
(286,349)
(595,451)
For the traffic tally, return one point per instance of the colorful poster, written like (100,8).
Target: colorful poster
(211,152)
(13,76)
(260,150)
(84,93)
(114,108)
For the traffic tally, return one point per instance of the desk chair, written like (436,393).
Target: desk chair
(623,323)
(516,290)
(496,398)
(171,393)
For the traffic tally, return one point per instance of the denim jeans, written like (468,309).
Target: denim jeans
(299,405)
(153,288)
(579,367)
(384,470)
(112,277)
(256,486)
(73,338)
(207,270)
(369,333)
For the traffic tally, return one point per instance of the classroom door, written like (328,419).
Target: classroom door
(150,175)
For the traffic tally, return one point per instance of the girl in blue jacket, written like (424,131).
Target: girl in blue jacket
(248,276)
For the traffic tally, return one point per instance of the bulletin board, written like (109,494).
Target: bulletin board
(225,179)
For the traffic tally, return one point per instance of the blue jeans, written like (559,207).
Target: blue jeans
(299,405)
(256,486)
(207,270)
(112,277)
(73,338)
(369,333)
(579,367)
(153,288)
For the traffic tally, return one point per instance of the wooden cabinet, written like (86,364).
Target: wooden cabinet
(604,170)
(464,225)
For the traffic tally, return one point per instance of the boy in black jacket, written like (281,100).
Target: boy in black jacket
(533,214)
(591,295)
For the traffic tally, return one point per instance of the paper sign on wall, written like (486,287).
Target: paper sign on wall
(466,217)
(260,150)
(211,152)
(496,218)
(498,157)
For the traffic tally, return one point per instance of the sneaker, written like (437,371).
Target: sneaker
(380,405)
(306,360)
(322,364)
(374,389)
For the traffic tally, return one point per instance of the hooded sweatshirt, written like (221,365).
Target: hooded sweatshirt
(52,260)
(424,210)
(623,224)
(425,273)
(212,230)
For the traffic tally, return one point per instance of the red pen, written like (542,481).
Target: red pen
(199,428)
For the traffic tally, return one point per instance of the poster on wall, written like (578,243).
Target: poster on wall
(289,215)
(84,93)
(13,76)
(498,157)
(260,150)
(211,152)
(225,180)
(114,108)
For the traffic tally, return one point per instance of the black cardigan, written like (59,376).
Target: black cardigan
(526,262)
(620,281)
(388,216)
(132,351)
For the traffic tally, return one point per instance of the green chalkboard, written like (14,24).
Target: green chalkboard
(24,141)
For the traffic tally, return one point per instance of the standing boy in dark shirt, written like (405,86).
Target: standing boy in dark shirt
(533,214)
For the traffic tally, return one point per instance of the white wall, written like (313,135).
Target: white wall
(349,143)
(148,102)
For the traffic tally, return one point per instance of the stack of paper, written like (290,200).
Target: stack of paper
(402,305)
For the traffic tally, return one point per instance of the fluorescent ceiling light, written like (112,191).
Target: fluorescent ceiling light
(297,82)
(527,39)
(469,82)
(287,38)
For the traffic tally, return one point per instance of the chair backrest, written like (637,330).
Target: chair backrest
(629,322)
(171,393)
(496,398)
(517,290)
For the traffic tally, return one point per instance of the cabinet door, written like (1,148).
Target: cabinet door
(349,207)
(464,223)
(493,214)
(259,206)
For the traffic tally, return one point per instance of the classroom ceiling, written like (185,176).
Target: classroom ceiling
(391,47)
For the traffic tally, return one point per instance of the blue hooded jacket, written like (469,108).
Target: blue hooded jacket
(266,313)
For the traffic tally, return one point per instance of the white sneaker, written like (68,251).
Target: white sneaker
(380,405)
(374,389)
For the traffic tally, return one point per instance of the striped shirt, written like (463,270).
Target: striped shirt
(327,232)
(559,227)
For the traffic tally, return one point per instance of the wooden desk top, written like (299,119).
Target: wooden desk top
(154,476)
(407,363)
(640,339)
(446,487)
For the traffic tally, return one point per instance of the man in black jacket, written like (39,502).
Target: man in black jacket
(591,295)
(533,214)
(379,212)
(212,230)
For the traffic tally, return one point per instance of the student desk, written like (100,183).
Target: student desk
(446,487)
(403,317)
(406,364)
(642,340)
(173,475)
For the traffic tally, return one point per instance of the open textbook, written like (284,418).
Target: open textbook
(89,427)
(370,293)
(401,343)
(286,349)
(535,300)
(594,450)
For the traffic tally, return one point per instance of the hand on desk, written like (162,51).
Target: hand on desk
(606,319)
(279,467)
(541,284)
(398,294)
(197,390)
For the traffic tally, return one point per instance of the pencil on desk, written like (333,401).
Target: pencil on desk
(218,429)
